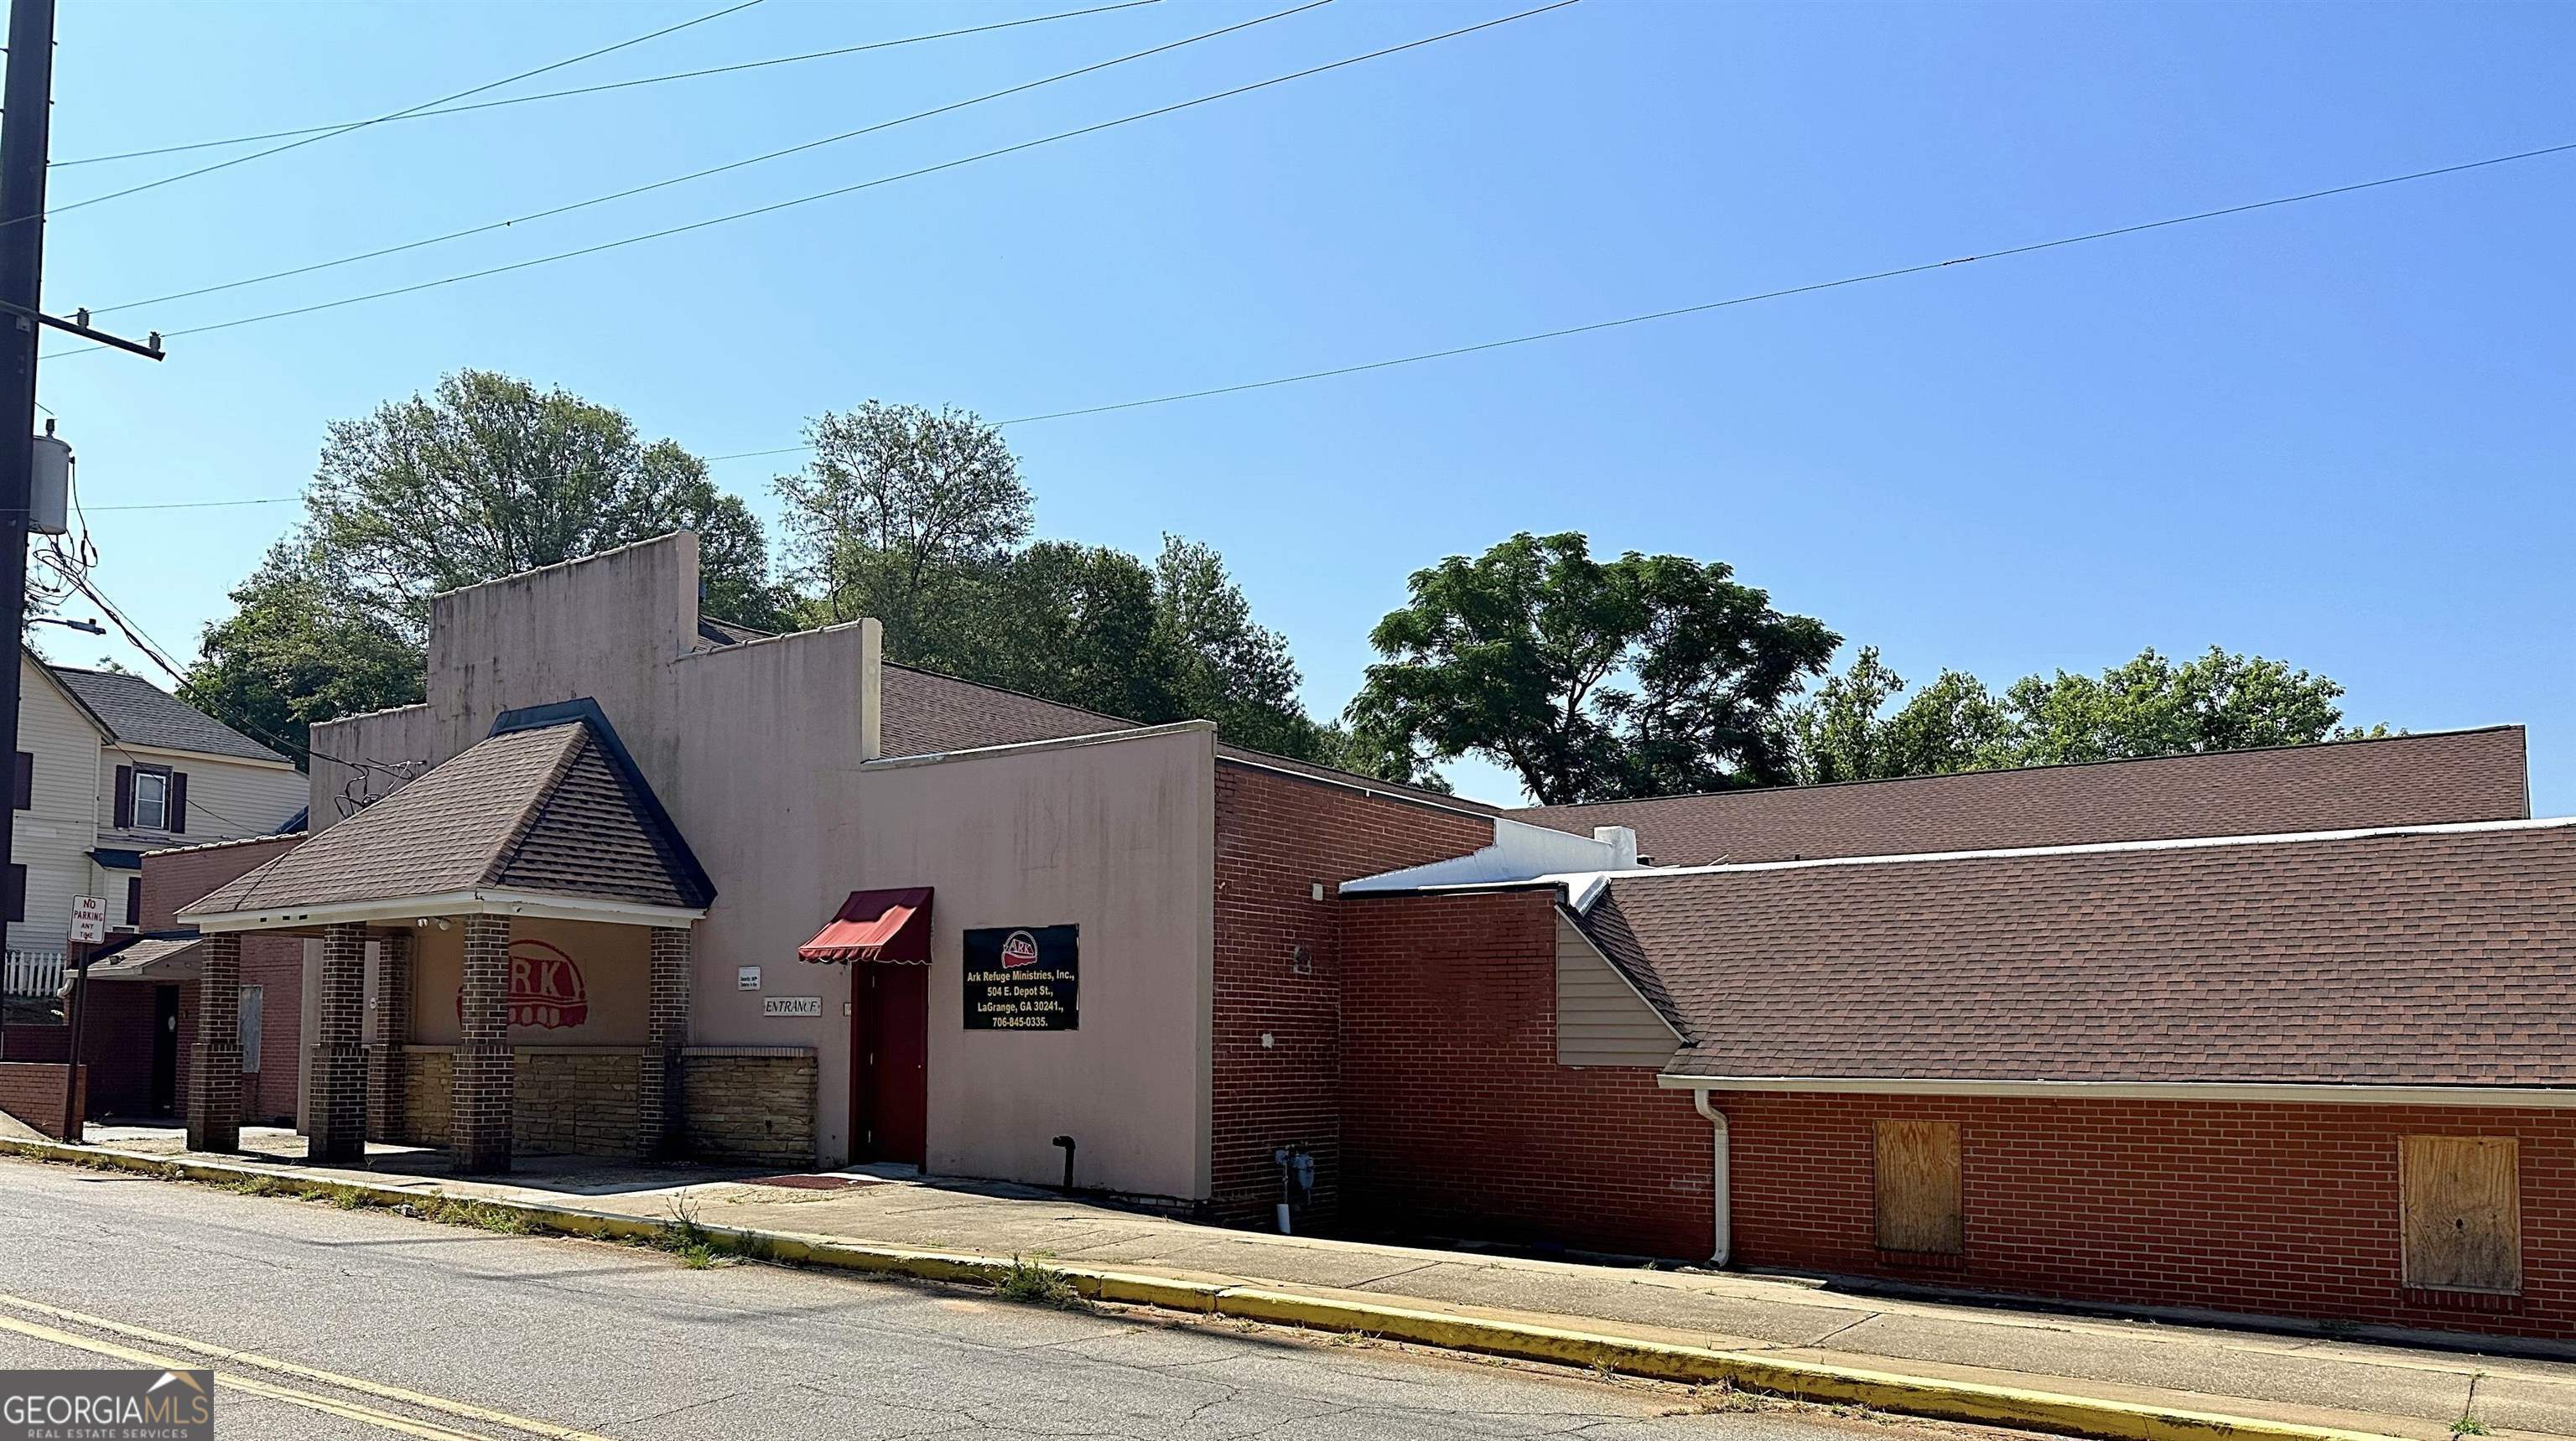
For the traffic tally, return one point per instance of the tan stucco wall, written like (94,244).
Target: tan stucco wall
(615,964)
(1119,838)
(759,751)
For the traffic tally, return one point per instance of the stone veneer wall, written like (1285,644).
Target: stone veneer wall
(575,1100)
(748,1103)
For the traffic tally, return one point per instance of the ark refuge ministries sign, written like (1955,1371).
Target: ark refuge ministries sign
(1024,978)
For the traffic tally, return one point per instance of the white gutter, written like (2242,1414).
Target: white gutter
(2326,1093)
(544,905)
(1723,1250)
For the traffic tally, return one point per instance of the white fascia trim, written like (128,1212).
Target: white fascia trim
(541,905)
(2329,1093)
(2183,843)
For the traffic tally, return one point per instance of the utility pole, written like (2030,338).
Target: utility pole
(26,114)
(26,107)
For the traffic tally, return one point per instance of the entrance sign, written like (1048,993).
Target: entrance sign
(791,1005)
(89,920)
(1024,978)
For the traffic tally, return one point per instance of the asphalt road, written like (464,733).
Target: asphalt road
(364,1324)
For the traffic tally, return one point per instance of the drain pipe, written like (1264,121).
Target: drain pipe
(1725,1218)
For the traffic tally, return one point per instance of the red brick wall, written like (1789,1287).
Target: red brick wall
(173,878)
(1276,837)
(32,1091)
(2286,1210)
(1456,1118)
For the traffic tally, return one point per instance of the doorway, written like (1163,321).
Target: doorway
(164,1099)
(889,1063)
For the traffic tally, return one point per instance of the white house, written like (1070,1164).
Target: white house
(108,767)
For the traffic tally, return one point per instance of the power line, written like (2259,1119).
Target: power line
(200,504)
(398,114)
(711,170)
(864,184)
(1677,311)
(597,89)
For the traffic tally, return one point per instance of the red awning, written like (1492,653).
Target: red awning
(888,926)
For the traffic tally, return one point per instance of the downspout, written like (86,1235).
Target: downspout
(1724,1217)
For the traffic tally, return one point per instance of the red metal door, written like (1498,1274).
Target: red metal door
(890,1082)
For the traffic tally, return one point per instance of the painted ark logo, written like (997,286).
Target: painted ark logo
(546,989)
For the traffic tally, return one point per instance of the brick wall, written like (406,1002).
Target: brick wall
(748,1103)
(173,878)
(565,1101)
(32,1091)
(2286,1210)
(1276,837)
(1458,1122)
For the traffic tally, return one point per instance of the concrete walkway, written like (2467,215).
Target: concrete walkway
(2314,1380)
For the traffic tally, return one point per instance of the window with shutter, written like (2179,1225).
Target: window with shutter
(124,797)
(151,805)
(178,802)
(2461,1212)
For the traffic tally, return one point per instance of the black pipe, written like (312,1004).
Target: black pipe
(1067,1143)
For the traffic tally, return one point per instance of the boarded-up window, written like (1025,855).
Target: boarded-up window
(2462,1214)
(253,1009)
(1918,1187)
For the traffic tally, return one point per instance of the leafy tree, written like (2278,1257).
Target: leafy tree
(2153,707)
(489,477)
(920,519)
(1640,676)
(494,476)
(2149,706)
(899,510)
(296,652)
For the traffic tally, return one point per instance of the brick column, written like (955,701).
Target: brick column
(666,1030)
(388,1031)
(479,1125)
(335,1128)
(214,1102)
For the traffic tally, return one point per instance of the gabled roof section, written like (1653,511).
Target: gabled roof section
(2436,778)
(549,805)
(2427,957)
(137,712)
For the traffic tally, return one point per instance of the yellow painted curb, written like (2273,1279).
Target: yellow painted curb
(1940,1397)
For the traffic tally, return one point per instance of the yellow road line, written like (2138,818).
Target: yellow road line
(306,1399)
(255,1361)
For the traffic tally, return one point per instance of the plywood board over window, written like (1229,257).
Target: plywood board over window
(1918,1187)
(2462,1212)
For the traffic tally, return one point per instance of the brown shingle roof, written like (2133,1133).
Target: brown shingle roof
(2474,775)
(549,807)
(2390,958)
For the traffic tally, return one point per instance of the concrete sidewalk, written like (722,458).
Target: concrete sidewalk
(2290,1380)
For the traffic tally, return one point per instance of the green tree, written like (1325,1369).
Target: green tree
(493,476)
(1640,676)
(488,477)
(2149,706)
(2153,707)
(296,652)
(920,519)
(900,510)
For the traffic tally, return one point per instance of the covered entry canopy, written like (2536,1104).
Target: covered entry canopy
(891,927)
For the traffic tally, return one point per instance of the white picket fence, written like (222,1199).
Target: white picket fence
(31,973)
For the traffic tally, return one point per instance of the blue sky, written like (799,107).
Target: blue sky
(2339,433)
